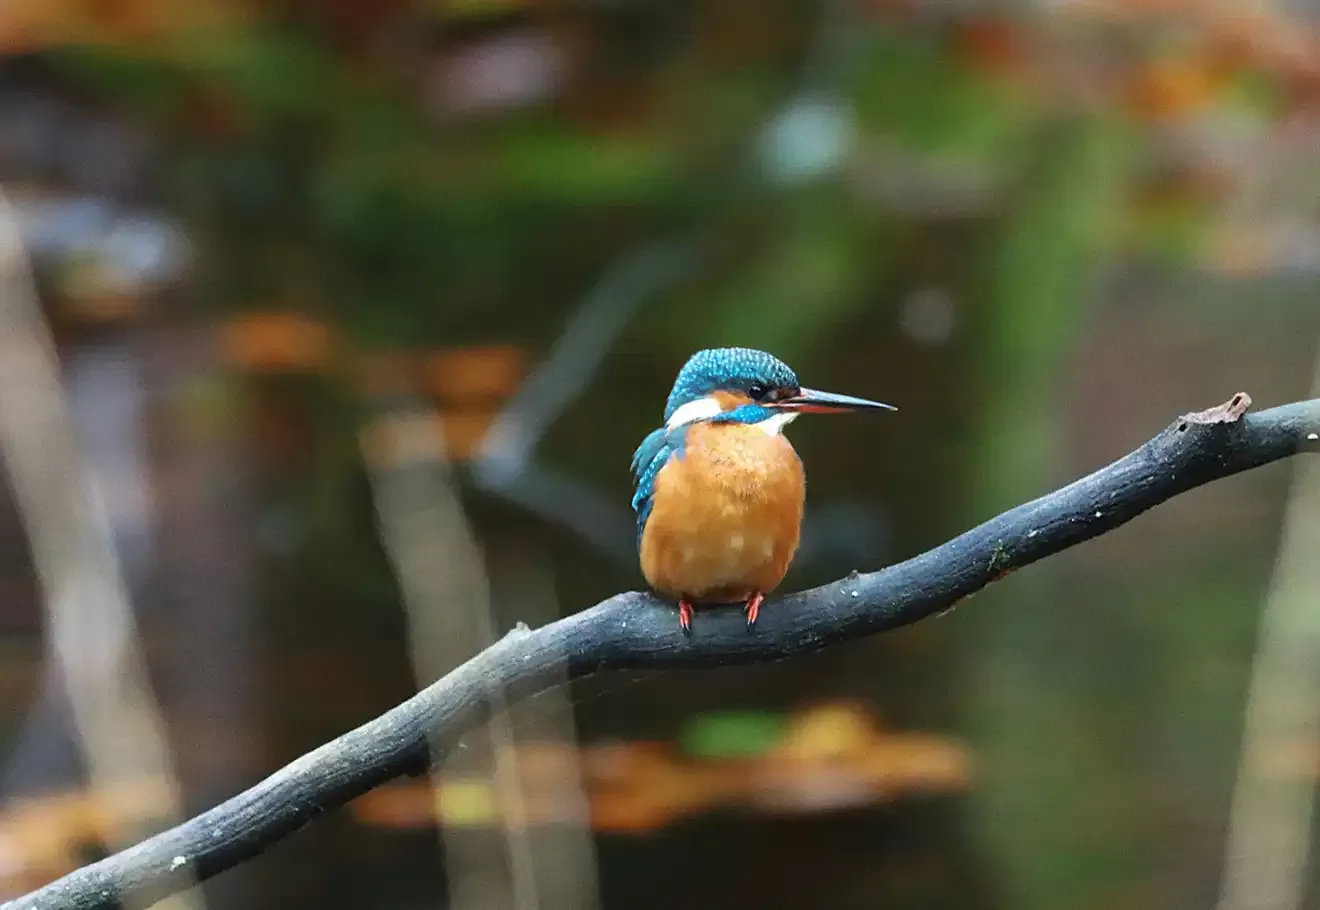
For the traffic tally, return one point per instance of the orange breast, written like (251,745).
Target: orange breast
(726,516)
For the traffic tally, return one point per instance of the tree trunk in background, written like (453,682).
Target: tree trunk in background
(103,384)
(1038,768)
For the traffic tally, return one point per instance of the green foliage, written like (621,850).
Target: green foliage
(142,83)
(558,166)
(910,88)
(281,75)
(732,734)
(797,289)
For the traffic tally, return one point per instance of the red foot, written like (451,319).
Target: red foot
(753,608)
(685,616)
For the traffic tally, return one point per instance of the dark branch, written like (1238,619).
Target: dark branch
(634,630)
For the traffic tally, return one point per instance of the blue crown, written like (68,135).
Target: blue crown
(727,368)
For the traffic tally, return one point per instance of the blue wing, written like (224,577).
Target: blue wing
(652,455)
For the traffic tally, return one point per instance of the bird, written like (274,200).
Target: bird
(718,490)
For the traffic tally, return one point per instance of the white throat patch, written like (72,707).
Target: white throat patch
(706,408)
(773,426)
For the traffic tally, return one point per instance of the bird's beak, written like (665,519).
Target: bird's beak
(810,401)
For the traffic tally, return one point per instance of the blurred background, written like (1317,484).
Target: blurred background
(327,331)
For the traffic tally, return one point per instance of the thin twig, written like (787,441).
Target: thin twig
(634,630)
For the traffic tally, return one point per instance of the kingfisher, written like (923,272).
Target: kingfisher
(719,490)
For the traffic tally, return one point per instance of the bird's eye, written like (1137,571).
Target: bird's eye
(758,392)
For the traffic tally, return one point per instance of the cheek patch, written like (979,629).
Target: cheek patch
(729,400)
(701,409)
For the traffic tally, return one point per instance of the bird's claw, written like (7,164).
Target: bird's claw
(753,608)
(685,616)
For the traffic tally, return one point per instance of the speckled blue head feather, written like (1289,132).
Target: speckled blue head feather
(727,368)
